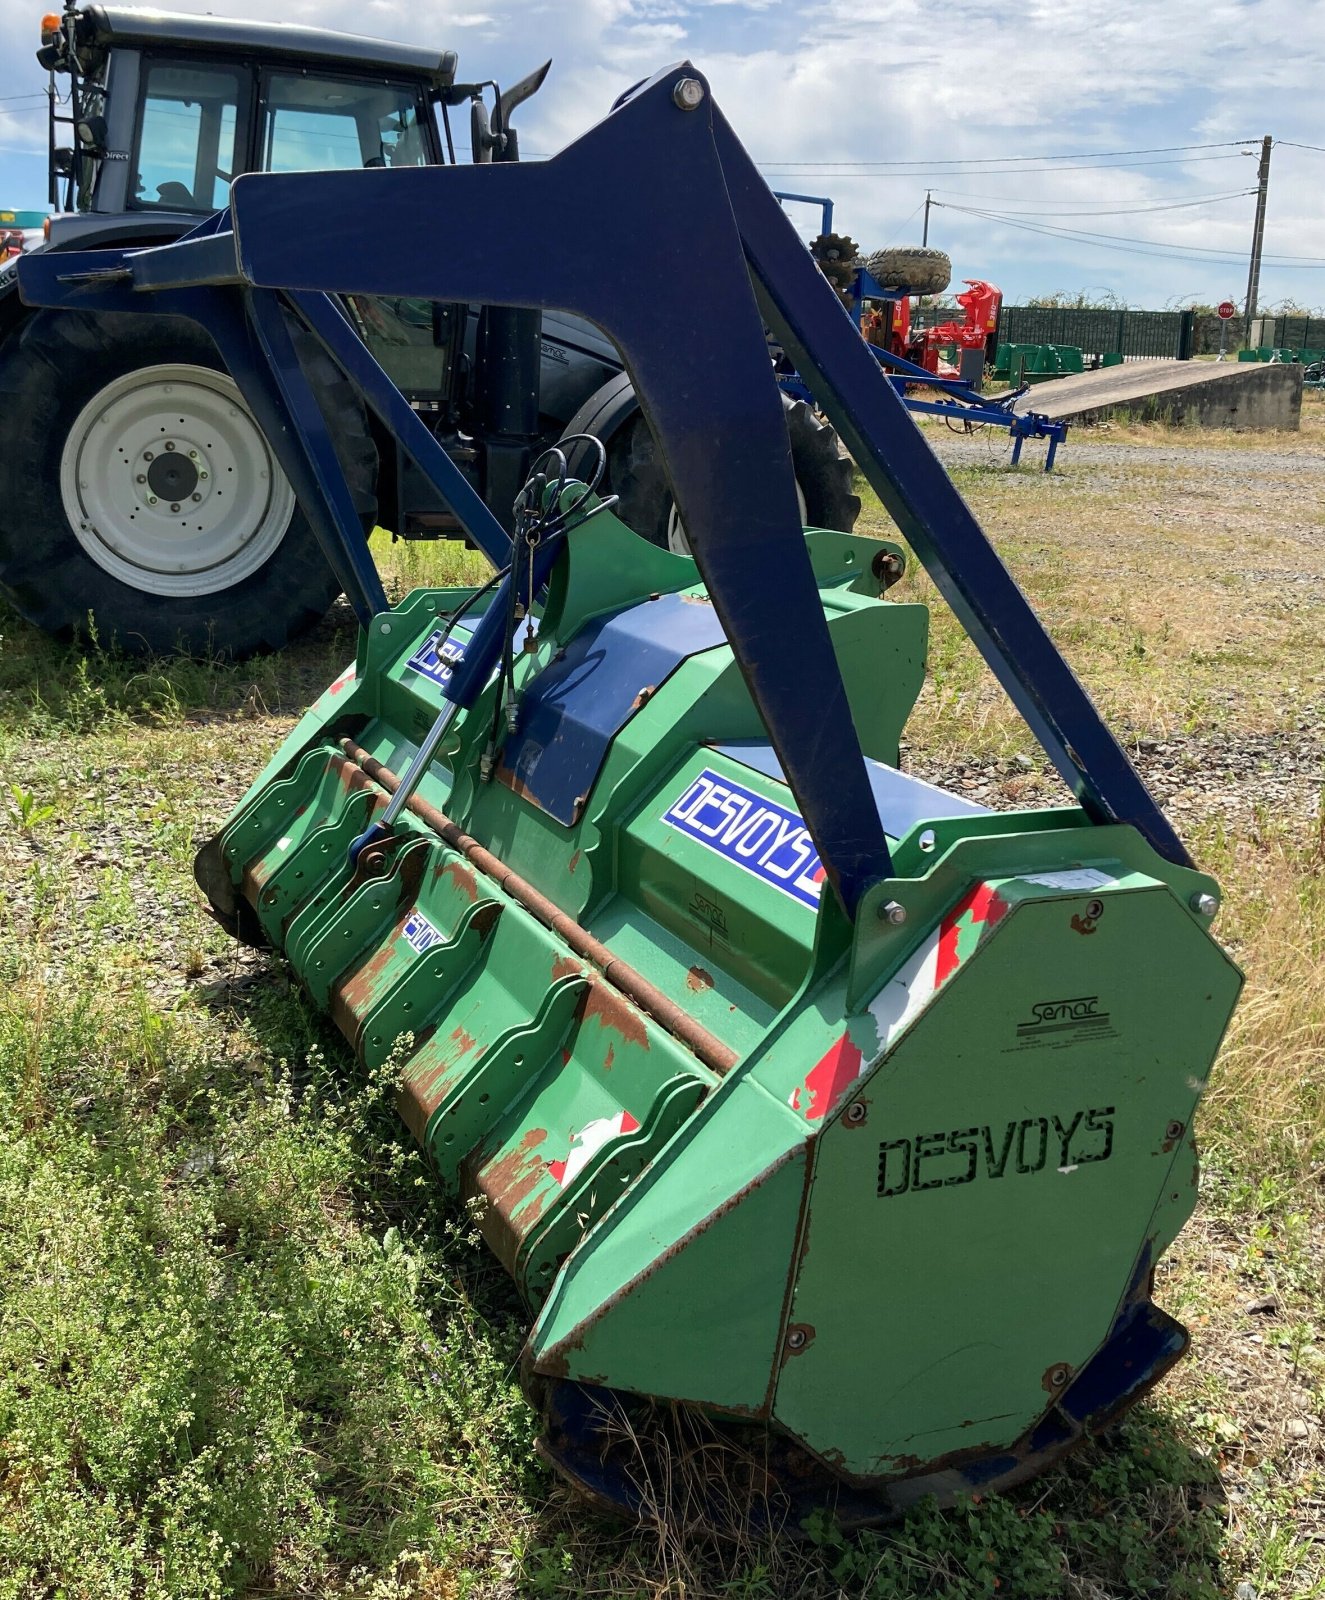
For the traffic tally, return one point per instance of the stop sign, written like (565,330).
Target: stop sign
(1227,310)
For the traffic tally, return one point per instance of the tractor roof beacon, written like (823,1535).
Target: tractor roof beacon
(136,487)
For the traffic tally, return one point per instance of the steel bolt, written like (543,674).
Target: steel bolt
(174,505)
(1205,905)
(384,627)
(796,1339)
(203,475)
(1059,1376)
(141,478)
(688,94)
(151,499)
(147,455)
(170,444)
(197,497)
(193,455)
(891,911)
(1174,1130)
(856,1112)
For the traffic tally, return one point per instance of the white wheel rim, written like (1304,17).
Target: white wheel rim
(679,545)
(169,484)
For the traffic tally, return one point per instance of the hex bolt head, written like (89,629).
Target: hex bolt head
(141,478)
(170,444)
(890,911)
(1204,905)
(197,497)
(688,94)
(796,1339)
(147,455)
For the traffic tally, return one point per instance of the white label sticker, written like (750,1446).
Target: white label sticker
(1070,878)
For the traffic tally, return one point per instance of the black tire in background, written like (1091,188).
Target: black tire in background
(51,369)
(919,268)
(823,473)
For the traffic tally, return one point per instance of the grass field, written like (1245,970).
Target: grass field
(244,1352)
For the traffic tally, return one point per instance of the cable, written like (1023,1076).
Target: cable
(1147,247)
(1126,211)
(996,172)
(1294,145)
(966,161)
(975,194)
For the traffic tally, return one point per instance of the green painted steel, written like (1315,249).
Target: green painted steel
(917,1177)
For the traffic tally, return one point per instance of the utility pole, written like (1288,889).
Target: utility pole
(1257,237)
(924,237)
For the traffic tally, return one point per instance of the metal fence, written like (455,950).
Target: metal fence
(1135,335)
(1289,333)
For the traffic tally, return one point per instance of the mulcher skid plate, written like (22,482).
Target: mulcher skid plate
(886,1196)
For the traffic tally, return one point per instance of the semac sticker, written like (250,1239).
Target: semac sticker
(757,834)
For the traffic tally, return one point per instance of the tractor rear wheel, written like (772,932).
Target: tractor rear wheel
(136,489)
(823,479)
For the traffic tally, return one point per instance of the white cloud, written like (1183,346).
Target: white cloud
(896,80)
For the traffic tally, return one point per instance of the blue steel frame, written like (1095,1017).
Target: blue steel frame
(728,264)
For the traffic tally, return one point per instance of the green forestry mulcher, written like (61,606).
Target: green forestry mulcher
(800,1096)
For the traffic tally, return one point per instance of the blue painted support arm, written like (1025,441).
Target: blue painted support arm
(696,353)
(925,504)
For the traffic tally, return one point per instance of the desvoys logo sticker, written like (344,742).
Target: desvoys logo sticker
(757,834)
(419,933)
(435,659)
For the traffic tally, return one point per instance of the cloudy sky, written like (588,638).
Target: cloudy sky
(1103,143)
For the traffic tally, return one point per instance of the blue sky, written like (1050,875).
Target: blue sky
(963,94)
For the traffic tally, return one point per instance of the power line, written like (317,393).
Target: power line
(967,161)
(1016,199)
(1147,247)
(1294,145)
(1126,211)
(817,170)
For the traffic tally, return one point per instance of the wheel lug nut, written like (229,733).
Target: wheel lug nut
(197,497)
(203,475)
(147,455)
(141,478)
(151,499)
(174,505)
(193,455)
(170,444)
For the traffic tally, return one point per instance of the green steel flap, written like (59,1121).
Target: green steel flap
(308,881)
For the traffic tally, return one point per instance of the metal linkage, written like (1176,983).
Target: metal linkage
(683,191)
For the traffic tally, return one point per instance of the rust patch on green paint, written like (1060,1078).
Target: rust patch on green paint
(614,1011)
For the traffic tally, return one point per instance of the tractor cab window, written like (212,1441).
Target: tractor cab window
(315,124)
(186,151)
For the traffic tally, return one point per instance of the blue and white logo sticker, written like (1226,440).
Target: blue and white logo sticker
(435,659)
(757,834)
(419,933)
